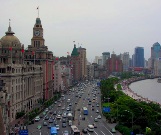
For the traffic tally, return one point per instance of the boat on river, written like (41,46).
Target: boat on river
(159,80)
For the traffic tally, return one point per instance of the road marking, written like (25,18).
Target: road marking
(103,133)
(108,130)
(95,132)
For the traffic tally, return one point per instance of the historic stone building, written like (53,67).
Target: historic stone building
(76,65)
(83,62)
(22,80)
(39,54)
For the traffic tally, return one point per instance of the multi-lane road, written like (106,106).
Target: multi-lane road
(88,93)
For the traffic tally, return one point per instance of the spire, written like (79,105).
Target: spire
(75,51)
(9,32)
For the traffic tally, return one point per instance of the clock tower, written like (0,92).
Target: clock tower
(37,40)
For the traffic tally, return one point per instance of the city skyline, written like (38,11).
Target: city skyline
(97,26)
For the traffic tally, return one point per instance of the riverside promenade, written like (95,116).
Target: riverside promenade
(132,94)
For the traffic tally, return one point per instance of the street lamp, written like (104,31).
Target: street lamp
(132,117)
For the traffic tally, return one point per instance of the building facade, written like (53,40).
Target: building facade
(23,80)
(83,59)
(125,60)
(139,57)
(76,67)
(39,54)
(155,53)
(105,56)
(114,64)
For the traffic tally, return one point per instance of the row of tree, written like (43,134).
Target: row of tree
(131,115)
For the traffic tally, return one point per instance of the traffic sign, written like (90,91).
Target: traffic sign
(23,132)
(106,109)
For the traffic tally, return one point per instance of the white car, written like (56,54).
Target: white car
(65,132)
(37,118)
(99,116)
(58,116)
(57,127)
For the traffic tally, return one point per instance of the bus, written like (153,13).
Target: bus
(85,111)
(74,130)
(53,131)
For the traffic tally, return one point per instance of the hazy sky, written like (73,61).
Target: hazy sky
(97,25)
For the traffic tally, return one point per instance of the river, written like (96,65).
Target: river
(149,88)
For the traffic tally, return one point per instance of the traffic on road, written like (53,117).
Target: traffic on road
(77,112)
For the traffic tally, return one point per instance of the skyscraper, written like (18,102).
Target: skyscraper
(155,53)
(105,56)
(139,57)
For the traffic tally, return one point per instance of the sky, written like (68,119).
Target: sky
(98,25)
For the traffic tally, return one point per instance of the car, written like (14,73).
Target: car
(49,126)
(64,120)
(95,119)
(46,118)
(39,127)
(45,123)
(50,120)
(113,130)
(94,124)
(84,130)
(50,112)
(64,125)
(57,127)
(75,102)
(70,104)
(55,122)
(54,113)
(97,105)
(59,105)
(63,108)
(46,110)
(58,116)
(55,102)
(97,111)
(92,109)
(37,118)
(99,116)
(41,116)
(66,132)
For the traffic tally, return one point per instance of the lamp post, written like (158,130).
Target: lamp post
(132,118)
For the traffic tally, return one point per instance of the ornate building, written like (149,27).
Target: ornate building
(22,80)
(39,54)
(76,65)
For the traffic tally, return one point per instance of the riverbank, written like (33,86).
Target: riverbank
(125,88)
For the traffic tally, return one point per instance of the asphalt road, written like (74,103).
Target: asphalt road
(102,126)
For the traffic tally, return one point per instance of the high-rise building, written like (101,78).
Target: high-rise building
(139,57)
(82,54)
(114,64)
(105,56)
(76,65)
(155,53)
(125,60)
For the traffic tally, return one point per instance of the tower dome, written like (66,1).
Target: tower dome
(9,40)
